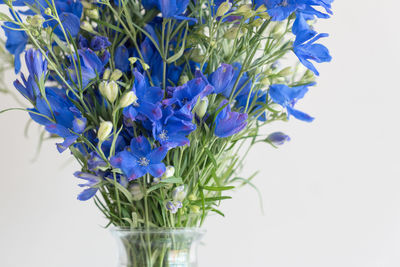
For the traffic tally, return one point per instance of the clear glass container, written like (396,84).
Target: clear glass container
(158,247)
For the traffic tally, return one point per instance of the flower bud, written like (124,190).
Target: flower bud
(278,30)
(145,66)
(116,75)
(104,131)
(192,197)
(257,23)
(169,172)
(183,79)
(133,60)
(127,99)
(136,192)
(278,138)
(92,13)
(109,90)
(195,209)
(87,26)
(36,21)
(48,11)
(265,81)
(173,206)
(179,193)
(201,108)
(223,8)
(264,15)
(106,74)
(244,10)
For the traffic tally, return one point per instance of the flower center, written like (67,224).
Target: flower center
(143,161)
(284,3)
(163,135)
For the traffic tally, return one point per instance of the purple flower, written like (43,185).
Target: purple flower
(148,100)
(99,43)
(93,182)
(141,159)
(287,97)
(227,122)
(278,138)
(173,207)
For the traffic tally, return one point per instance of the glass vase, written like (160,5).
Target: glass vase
(157,247)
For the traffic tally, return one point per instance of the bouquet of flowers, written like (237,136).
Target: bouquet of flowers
(156,99)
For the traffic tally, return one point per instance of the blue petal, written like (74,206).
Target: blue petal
(87,194)
(140,147)
(157,170)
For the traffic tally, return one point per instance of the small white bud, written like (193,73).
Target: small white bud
(87,26)
(179,193)
(169,172)
(47,11)
(92,13)
(127,99)
(109,90)
(223,8)
(136,192)
(104,131)
(116,75)
(106,74)
(133,60)
(201,108)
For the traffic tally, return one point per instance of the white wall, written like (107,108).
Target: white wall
(331,195)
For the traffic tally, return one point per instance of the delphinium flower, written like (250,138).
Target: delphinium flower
(16,42)
(287,97)
(229,122)
(141,159)
(278,138)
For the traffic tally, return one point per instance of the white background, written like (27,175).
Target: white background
(331,195)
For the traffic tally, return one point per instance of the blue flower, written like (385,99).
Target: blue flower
(121,58)
(222,78)
(281,9)
(69,12)
(37,68)
(93,181)
(16,42)
(168,8)
(148,100)
(287,97)
(91,66)
(243,86)
(278,138)
(141,159)
(190,92)
(59,117)
(311,51)
(99,43)
(172,131)
(228,122)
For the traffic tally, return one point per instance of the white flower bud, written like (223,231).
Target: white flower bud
(201,108)
(92,13)
(86,26)
(127,99)
(285,72)
(47,11)
(195,209)
(133,60)
(244,10)
(106,74)
(179,193)
(169,172)
(36,21)
(116,75)
(104,131)
(109,90)
(223,8)
(136,192)
(234,32)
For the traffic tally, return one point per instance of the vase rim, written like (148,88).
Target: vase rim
(176,230)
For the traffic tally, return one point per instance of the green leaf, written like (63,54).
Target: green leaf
(172,180)
(122,189)
(218,188)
